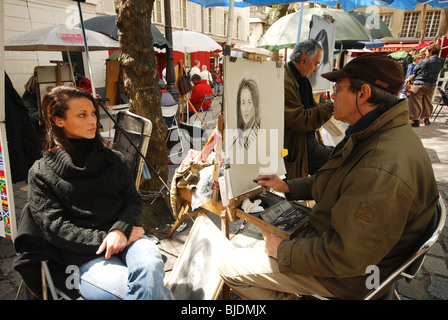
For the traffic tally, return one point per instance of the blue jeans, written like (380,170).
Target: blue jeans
(136,273)
(218,88)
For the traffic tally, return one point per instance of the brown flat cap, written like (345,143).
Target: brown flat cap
(377,69)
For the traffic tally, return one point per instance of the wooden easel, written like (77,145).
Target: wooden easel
(230,212)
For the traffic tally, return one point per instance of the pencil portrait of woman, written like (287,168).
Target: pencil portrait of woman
(248,112)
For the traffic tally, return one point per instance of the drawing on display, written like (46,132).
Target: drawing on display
(323,31)
(247,112)
(195,275)
(254,122)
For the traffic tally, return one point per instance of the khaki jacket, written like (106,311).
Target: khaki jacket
(374,199)
(298,121)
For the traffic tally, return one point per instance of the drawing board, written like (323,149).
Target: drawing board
(254,122)
(195,275)
(323,30)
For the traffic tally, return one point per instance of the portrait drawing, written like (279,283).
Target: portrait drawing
(195,275)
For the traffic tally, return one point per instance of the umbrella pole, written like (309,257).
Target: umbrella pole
(71,65)
(229,28)
(299,30)
(86,47)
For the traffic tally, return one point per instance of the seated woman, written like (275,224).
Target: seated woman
(82,197)
(200,90)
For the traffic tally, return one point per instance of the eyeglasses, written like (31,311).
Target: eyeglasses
(336,88)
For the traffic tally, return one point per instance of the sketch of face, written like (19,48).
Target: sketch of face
(247,111)
(247,107)
(247,104)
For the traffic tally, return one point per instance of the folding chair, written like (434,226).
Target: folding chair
(39,264)
(443,102)
(190,137)
(409,268)
(169,114)
(206,112)
(138,129)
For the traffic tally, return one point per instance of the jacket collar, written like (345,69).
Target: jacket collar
(396,116)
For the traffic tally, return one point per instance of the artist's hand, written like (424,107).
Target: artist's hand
(272,181)
(114,243)
(136,234)
(272,243)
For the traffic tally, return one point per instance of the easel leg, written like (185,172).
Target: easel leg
(180,218)
(225,231)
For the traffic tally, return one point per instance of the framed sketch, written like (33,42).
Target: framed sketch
(323,31)
(254,122)
(195,275)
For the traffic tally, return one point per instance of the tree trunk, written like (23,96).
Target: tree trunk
(141,86)
(141,78)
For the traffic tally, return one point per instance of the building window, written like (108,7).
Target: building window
(387,19)
(225,24)
(432,22)
(238,28)
(184,14)
(410,23)
(209,20)
(157,13)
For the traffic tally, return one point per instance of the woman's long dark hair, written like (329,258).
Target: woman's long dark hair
(55,104)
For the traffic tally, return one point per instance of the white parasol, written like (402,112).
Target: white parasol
(190,41)
(59,38)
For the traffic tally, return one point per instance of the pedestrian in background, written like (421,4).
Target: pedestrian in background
(426,74)
(217,81)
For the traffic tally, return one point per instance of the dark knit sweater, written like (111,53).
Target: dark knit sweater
(77,199)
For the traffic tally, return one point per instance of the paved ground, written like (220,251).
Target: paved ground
(432,283)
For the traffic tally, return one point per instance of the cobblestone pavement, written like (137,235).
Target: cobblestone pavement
(432,281)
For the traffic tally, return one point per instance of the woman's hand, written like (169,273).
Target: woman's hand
(272,181)
(136,234)
(114,243)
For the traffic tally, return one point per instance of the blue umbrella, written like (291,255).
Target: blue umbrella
(220,3)
(348,5)
(361,44)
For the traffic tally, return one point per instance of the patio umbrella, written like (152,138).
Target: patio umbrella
(398,55)
(283,32)
(374,25)
(106,25)
(190,41)
(59,38)
(424,44)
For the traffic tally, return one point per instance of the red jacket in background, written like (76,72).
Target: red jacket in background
(200,90)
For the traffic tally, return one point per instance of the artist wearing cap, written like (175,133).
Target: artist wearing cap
(374,198)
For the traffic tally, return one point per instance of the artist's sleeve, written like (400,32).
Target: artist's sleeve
(300,188)
(356,238)
(297,117)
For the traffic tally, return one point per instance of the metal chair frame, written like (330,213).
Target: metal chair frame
(205,112)
(443,102)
